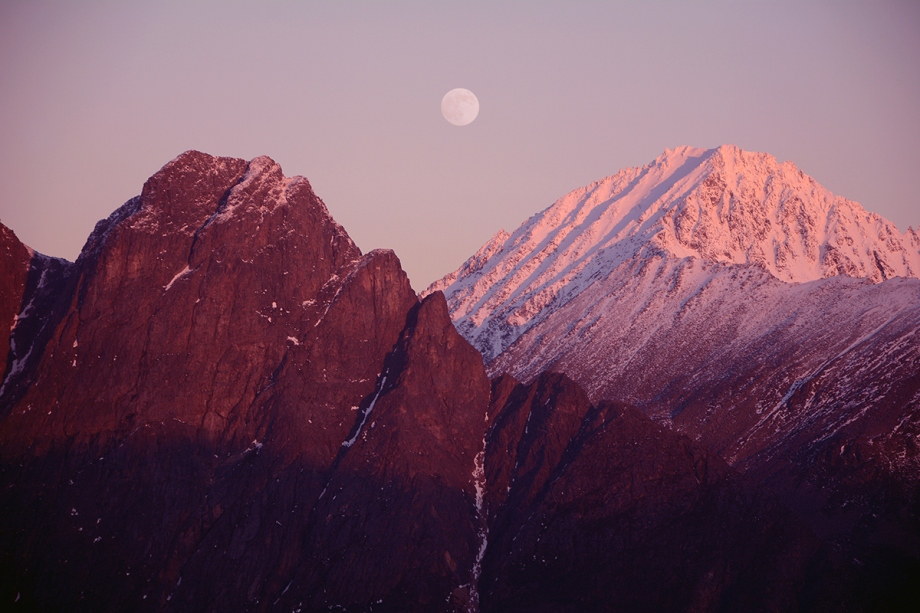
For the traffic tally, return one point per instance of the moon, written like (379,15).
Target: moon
(460,106)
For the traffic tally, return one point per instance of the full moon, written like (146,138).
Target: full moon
(460,106)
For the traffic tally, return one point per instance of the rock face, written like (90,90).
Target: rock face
(221,341)
(14,269)
(404,484)
(736,301)
(32,285)
(224,406)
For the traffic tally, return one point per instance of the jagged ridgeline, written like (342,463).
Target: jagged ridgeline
(223,405)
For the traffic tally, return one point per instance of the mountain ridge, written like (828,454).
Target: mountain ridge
(224,405)
(807,385)
(719,205)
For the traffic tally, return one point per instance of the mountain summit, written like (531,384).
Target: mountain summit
(732,299)
(719,206)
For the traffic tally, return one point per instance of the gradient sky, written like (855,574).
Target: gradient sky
(96,96)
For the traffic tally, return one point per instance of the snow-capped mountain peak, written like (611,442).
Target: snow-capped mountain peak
(721,205)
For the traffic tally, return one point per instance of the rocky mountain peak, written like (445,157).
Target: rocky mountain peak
(748,208)
(219,263)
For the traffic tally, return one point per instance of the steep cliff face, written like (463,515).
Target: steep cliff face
(186,302)
(14,270)
(221,342)
(32,289)
(405,481)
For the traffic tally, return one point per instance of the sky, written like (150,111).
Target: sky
(96,96)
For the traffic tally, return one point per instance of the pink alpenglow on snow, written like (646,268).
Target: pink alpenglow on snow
(718,206)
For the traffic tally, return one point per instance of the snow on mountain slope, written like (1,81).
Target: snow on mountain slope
(719,351)
(737,301)
(811,389)
(720,205)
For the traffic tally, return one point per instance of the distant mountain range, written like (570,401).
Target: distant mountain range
(693,386)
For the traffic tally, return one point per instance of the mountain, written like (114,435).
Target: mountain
(223,405)
(721,205)
(210,370)
(732,299)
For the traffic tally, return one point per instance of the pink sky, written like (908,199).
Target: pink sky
(96,96)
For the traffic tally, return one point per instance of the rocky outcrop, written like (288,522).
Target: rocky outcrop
(185,301)
(397,527)
(14,271)
(32,287)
